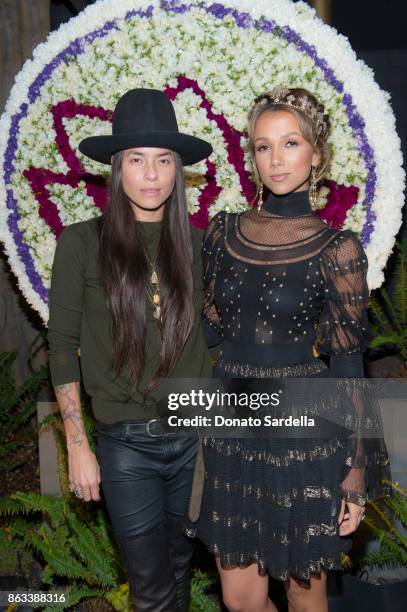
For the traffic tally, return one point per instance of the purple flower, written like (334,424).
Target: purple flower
(235,155)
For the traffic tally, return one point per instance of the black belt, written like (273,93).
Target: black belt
(152,428)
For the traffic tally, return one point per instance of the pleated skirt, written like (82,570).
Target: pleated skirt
(274,502)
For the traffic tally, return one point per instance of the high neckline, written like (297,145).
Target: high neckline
(151,226)
(289,205)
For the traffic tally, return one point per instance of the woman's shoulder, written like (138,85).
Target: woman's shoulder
(216,226)
(220,217)
(83,233)
(344,253)
(84,229)
(345,243)
(78,242)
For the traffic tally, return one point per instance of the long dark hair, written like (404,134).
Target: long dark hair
(124,273)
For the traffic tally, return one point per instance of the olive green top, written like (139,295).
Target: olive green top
(80,318)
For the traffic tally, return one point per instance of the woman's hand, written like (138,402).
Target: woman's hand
(84,473)
(349,521)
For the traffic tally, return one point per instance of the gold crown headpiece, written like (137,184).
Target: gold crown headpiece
(282,96)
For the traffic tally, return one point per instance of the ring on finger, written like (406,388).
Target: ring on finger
(78,493)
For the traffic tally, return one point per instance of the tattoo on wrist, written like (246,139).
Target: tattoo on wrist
(68,400)
(75,440)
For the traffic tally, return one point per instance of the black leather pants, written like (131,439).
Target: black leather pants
(147,482)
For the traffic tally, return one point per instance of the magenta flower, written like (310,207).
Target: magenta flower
(340,199)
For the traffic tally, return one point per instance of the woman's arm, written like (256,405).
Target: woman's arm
(84,473)
(343,334)
(69,403)
(211,248)
(64,329)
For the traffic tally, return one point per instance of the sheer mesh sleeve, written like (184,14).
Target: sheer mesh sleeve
(366,473)
(343,333)
(212,245)
(343,325)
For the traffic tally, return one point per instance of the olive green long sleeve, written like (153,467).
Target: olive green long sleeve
(80,319)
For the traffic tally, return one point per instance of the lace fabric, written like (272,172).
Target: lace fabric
(290,286)
(336,275)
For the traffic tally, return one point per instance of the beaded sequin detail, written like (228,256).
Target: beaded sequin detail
(248,371)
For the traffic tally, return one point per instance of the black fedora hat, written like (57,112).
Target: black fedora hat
(145,118)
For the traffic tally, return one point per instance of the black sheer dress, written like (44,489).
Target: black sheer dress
(283,288)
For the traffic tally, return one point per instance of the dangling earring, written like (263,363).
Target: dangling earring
(313,196)
(260,196)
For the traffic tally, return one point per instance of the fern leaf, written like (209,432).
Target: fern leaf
(383,559)
(346,561)
(388,545)
(7,384)
(29,389)
(22,417)
(396,487)
(398,506)
(60,442)
(400,283)
(89,551)
(392,311)
(62,563)
(375,505)
(49,420)
(119,598)
(379,315)
(51,505)
(11,506)
(200,602)
(103,531)
(74,594)
(48,575)
(388,340)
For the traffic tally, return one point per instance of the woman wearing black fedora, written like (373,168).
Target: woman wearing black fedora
(126,289)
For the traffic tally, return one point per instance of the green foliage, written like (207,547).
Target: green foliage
(381,518)
(14,559)
(389,315)
(75,543)
(17,406)
(200,602)
(72,539)
(119,598)
(74,595)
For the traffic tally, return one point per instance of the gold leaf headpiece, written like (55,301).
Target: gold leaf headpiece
(282,96)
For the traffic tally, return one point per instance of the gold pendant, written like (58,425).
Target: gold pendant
(154,278)
(156,299)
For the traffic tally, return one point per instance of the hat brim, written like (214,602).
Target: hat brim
(190,148)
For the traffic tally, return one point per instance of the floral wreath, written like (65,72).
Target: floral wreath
(212,59)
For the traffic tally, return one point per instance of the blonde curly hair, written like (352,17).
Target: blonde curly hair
(310,114)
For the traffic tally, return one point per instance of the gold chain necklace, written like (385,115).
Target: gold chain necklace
(153,291)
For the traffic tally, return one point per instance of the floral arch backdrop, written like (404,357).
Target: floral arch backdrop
(212,59)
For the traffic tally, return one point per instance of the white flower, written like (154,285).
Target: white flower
(232,65)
